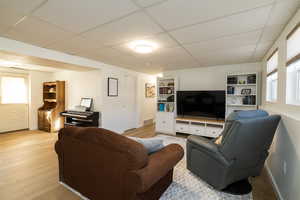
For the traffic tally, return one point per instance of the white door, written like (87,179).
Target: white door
(13,103)
(129,102)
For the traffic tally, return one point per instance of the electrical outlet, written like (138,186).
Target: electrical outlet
(284,167)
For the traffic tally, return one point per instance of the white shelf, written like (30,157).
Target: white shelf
(165,118)
(240,95)
(241,85)
(235,101)
(240,105)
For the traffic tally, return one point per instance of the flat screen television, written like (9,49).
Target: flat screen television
(209,104)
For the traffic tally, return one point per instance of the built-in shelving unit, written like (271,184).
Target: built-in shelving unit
(242,92)
(166,105)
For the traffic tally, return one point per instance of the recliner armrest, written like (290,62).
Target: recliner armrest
(159,164)
(208,147)
(203,142)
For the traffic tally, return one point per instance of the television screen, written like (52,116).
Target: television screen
(201,103)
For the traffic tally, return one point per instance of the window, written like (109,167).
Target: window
(293,67)
(293,84)
(272,87)
(298,85)
(272,76)
(13,90)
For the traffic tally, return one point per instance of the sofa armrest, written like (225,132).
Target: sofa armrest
(206,146)
(159,164)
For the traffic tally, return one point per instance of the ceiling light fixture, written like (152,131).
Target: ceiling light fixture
(143,46)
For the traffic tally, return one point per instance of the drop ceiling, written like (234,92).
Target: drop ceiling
(193,33)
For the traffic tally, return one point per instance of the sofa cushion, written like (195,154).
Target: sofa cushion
(151,144)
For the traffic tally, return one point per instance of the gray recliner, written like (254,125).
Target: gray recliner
(246,139)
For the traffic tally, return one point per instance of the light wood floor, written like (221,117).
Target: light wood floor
(29,168)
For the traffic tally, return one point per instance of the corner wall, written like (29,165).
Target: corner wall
(285,150)
(36,80)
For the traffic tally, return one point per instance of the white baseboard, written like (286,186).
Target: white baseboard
(74,191)
(274,184)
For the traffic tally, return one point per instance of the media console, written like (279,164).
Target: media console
(199,126)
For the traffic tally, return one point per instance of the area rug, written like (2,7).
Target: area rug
(187,186)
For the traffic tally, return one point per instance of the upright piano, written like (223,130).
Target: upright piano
(81,119)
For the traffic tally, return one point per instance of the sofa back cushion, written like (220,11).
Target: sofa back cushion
(135,153)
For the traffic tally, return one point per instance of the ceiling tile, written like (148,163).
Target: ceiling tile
(3,29)
(22,7)
(36,32)
(146,3)
(113,57)
(176,13)
(101,53)
(227,56)
(250,38)
(272,32)
(135,26)
(171,57)
(283,11)
(163,40)
(11,11)
(74,45)
(234,24)
(261,50)
(9,18)
(78,15)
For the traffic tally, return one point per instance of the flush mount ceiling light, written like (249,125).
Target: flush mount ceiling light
(143,46)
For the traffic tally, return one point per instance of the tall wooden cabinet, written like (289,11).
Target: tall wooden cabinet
(49,118)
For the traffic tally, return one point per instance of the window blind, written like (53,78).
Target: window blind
(272,63)
(293,47)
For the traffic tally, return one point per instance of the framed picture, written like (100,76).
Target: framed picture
(149,90)
(112,87)
(246,91)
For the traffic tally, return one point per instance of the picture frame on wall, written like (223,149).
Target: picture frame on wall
(149,90)
(112,87)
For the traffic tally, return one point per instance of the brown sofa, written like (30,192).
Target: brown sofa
(101,164)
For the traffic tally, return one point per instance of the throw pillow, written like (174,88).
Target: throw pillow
(218,141)
(151,144)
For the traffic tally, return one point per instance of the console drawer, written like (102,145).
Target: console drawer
(198,129)
(182,128)
(213,130)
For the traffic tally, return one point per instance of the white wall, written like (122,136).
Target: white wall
(286,145)
(209,78)
(115,116)
(113,109)
(81,84)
